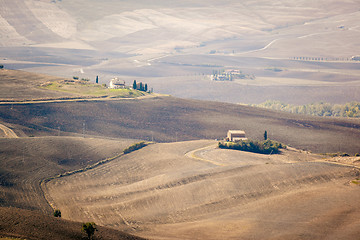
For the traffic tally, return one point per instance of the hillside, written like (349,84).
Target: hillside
(25,162)
(175,46)
(193,190)
(25,224)
(167,119)
(21,86)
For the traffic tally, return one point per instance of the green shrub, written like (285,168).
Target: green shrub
(135,147)
(57,213)
(263,147)
(89,228)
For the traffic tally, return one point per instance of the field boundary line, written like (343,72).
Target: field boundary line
(43,182)
(92,99)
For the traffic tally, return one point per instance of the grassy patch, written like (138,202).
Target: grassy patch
(357,182)
(262,147)
(91,90)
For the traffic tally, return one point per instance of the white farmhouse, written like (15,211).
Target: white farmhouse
(236,135)
(116,83)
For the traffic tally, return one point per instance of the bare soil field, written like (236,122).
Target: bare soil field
(20,224)
(169,45)
(168,119)
(26,162)
(192,190)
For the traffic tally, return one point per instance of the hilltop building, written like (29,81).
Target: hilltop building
(235,135)
(116,83)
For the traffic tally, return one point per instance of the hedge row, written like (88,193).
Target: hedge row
(263,147)
(135,147)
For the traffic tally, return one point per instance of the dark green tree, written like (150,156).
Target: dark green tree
(141,87)
(265,135)
(97,79)
(89,228)
(134,84)
(146,87)
(1,66)
(57,213)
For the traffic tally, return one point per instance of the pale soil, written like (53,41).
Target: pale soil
(139,40)
(26,162)
(192,190)
(20,224)
(7,132)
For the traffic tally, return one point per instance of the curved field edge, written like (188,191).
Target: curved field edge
(21,224)
(162,192)
(42,158)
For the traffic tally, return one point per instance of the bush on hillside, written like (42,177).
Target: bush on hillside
(263,147)
(134,147)
(89,228)
(57,213)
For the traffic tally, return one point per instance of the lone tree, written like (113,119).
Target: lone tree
(97,79)
(134,85)
(265,135)
(57,213)
(89,228)
(1,66)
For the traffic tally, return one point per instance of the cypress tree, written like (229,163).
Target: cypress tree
(134,85)
(97,79)
(265,135)
(146,87)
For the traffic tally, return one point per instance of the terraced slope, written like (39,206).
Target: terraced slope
(192,190)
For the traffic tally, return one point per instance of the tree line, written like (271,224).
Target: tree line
(140,86)
(322,109)
(262,147)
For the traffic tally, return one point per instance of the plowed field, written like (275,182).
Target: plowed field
(192,190)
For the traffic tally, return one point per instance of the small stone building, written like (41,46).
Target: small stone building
(235,135)
(115,83)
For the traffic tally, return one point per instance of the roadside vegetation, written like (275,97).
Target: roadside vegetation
(351,110)
(85,88)
(262,147)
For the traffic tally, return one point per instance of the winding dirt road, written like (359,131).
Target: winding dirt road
(8,132)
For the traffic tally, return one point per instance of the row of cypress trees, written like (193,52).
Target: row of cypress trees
(140,86)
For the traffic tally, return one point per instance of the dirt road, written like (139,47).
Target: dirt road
(8,132)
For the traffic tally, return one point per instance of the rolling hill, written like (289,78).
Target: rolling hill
(167,119)
(24,224)
(139,192)
(176,46)
(193,190)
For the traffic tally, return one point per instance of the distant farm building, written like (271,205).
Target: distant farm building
(355,58)
(115,83)
(236,135)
